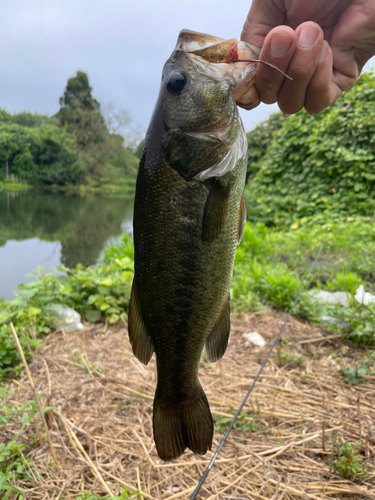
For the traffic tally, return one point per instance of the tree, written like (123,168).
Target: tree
(78,91)
(119,121)
(80,112)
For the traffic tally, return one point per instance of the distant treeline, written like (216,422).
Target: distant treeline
(75,146)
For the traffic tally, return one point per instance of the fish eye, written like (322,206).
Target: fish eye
(176,82)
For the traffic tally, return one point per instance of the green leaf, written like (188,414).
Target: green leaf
(93,315)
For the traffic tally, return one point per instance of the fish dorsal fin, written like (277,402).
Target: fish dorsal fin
(141,342)
(215,211)
(242,215)
(217,341)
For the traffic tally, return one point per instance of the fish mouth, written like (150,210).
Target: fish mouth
(218,60)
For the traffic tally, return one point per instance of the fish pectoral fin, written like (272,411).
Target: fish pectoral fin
(140,340)
(217,341)
(215,211)
(242,216)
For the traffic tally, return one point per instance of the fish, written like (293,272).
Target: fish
(189,216)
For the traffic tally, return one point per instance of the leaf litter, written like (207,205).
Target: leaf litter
(300,412)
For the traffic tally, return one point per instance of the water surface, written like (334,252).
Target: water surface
(45,228)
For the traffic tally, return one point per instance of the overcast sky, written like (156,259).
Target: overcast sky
(121,44)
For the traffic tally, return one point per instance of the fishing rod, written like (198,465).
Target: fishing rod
(231,425)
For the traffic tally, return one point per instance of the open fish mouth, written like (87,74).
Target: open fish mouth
(218,59)
(231,59)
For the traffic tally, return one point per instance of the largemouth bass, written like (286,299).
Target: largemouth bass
(189,215)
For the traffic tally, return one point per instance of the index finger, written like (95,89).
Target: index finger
(262,17)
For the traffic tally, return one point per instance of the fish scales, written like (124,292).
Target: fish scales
(187,224)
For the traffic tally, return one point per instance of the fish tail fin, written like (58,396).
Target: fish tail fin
(188,424)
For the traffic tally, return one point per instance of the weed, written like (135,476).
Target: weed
(304,377)
(353,375)
(88,366)
(343,350)
(125,494)
(242,423)
(13,463)
(345,282)
(283,357)
(349,462)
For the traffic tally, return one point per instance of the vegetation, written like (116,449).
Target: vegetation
(269,269)
(258,141)
(349,462)
(73,147)
(13,463)
(244,422)
(316,168)
(125,494)
(271,265)
(283,356)
(354,375)
(96,292)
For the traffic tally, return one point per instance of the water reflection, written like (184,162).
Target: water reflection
(50,227)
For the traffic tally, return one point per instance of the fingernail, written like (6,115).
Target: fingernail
(323,52)
(280,43)
(307,36)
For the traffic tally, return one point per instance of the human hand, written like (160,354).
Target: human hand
(322,44)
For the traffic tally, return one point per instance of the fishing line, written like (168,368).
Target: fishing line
(209,467)
(266,63)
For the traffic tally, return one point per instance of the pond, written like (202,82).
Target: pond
(46,228)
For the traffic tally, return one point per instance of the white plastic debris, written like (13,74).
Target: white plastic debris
(363,297)
(64,318)
(329,319)
(324,297)
(255,338)
(334,321)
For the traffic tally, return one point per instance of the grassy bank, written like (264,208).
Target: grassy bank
(271,266)
(124,186)
(269,270)
(11,186)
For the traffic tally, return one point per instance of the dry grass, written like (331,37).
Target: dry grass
(102,432)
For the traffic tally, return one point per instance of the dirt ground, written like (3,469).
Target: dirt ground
(295,419)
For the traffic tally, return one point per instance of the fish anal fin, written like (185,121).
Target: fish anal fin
(217,341)
(141,342)
(187,424)
(215,212)
(242,216)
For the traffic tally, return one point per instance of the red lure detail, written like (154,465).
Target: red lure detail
(233,53)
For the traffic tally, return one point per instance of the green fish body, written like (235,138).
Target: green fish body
(189,215)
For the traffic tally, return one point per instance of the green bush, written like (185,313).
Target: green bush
(258,140)
(319,167)
(43,155)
